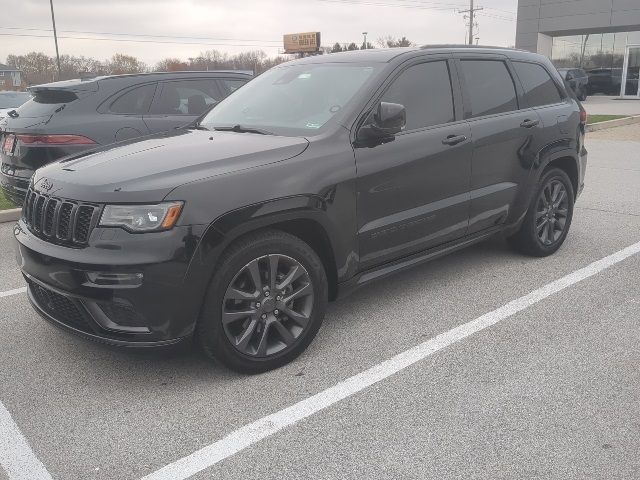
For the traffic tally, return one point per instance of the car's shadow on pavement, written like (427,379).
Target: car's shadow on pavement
(185,363)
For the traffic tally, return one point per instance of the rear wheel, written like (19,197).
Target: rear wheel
(546,224)
(583,94)
(265,303)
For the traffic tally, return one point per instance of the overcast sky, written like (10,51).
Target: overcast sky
(236,25)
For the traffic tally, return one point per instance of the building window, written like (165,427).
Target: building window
(596,51)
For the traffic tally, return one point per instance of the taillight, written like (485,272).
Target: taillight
(54,140)
(583,116)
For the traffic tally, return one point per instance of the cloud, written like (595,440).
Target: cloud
(246,25)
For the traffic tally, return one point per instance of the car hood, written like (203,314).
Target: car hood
(147,170)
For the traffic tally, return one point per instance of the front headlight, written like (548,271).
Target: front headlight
(142,218)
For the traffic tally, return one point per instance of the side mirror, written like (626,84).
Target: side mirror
(389,118)
(383,123)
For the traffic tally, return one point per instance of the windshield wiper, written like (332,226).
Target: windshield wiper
(241,129)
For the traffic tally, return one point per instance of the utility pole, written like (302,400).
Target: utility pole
(55,37)
(472,14)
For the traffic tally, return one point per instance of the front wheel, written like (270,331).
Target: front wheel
(546,224)
(265,304)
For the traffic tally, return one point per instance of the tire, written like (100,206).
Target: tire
(583,95)
(542,242)
(258,342)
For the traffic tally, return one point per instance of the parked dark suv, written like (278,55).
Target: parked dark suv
(577,80)
(605,80)
(69,117)
(317,177)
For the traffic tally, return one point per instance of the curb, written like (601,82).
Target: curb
(11,215)
(620,122)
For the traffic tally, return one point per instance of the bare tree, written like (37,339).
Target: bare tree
(36,67)
(121,63)
(172,65)
(392,42)
(40,68)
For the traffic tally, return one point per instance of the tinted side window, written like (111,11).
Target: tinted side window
(490,86)
(187,97)
(136,101)
(425,91)
(539,88)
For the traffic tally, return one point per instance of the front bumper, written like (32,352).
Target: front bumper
(113,296)
(14,183)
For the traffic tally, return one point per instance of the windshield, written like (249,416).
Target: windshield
(13,99)
(292,100)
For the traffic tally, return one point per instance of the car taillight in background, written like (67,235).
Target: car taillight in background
(583,116)
(51,140)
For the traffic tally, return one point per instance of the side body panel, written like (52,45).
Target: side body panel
(317,186)
(413,192)
(503,152)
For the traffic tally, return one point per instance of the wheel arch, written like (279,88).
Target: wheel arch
(302,216)
(568,162)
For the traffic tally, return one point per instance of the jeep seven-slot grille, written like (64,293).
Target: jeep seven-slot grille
(59,220)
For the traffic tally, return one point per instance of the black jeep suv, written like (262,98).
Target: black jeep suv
(317,177)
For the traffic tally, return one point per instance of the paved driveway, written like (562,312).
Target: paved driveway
(550,389)
(605,105)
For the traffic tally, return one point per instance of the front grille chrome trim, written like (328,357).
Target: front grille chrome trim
(59,220)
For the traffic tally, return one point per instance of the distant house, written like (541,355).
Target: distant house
(10,78)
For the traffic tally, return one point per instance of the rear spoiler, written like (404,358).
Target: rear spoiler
(70,86)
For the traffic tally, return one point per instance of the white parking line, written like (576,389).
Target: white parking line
(246,436)
(16,456)
(15,291)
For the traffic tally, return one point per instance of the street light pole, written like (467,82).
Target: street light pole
(55,37)
(364,45)
(471,19)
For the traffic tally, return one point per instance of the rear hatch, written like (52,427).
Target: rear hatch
(27,136)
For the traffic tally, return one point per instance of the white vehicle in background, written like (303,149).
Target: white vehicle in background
(11,100)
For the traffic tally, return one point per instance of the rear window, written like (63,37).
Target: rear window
(46,102)
(539,88)
(134,102)
(490,86)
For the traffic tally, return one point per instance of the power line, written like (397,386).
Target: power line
(102,39)
(380,4)
(497,17)
(501,10)
(31,29)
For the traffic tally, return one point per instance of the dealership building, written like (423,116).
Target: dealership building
(591,34)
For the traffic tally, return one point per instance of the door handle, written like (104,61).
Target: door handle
(454,139)
(530,123)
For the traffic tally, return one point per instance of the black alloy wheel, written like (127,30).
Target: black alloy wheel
(267,305)
(546,225)
(265,302)
(552,211)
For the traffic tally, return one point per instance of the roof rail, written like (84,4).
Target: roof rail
(462,45)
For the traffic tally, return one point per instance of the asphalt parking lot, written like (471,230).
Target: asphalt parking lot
(551,391)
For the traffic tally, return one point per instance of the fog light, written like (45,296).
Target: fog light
(114,280)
